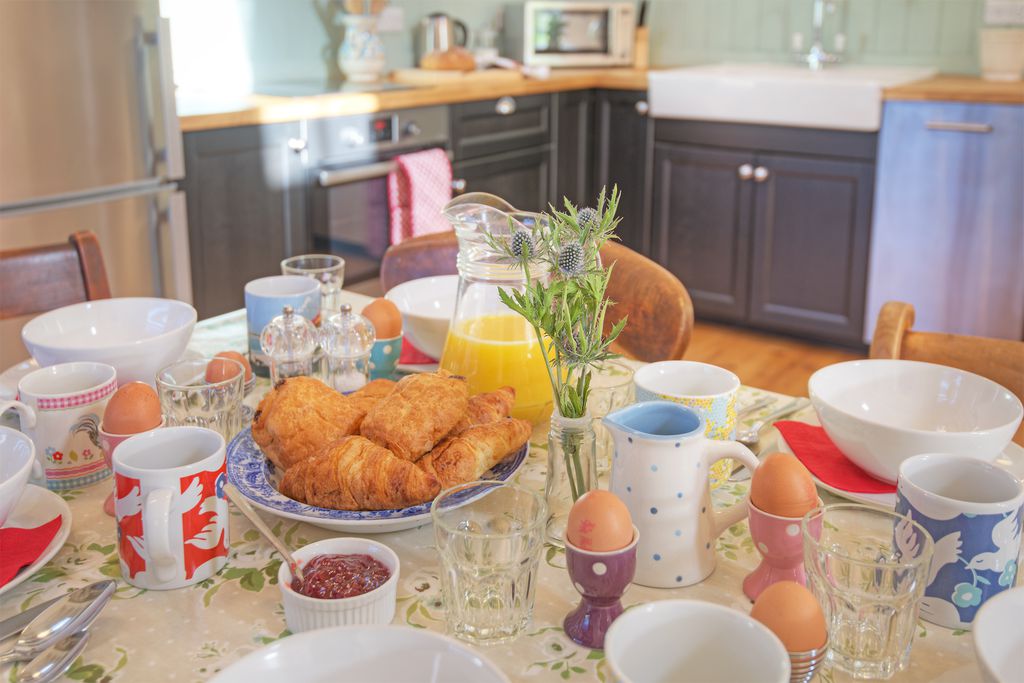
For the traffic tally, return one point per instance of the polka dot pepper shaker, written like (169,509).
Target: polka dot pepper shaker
(600,554)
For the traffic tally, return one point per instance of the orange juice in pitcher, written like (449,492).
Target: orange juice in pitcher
(489,344)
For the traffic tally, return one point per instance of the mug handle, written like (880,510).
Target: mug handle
(156,518)
(719,450)
(28,421)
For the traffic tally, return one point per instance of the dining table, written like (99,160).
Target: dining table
(191,633)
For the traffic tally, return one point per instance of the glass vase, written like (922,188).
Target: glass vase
(572,469)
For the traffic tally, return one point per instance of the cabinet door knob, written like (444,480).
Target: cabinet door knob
(505,106)
(296,144)
(642,107)
(745,172)
(761,174)
(459,185)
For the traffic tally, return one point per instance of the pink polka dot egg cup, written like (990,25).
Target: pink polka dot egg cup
(109,442)
(780,542)
(600,578)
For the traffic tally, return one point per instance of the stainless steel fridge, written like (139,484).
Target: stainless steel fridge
(89,140)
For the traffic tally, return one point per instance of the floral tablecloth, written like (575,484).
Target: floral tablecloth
(192,633)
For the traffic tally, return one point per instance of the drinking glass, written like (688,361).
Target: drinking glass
(489,535)
(327,269)
(611,388)
(868,569)
(187,398)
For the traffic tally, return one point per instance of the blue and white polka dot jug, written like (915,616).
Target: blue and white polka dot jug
(660,470)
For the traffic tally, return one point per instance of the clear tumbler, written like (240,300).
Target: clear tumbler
(327,269)
(489,535)
(868,569)
(188,398)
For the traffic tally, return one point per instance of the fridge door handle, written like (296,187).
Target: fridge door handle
(175,154)
(176,263)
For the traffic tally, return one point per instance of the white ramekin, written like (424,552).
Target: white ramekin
(303,613)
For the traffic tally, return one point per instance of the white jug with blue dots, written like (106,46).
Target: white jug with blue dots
(660,470)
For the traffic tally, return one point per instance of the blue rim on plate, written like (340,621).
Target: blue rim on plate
(251,473)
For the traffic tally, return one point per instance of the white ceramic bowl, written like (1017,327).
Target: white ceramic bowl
(999,638)
(427,305)
(138,336)
(303,613)
(881,412)
(691,641)
(17,455)
(357,654)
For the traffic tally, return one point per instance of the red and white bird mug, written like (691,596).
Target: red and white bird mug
(172,513)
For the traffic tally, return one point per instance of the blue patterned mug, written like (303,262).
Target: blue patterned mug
(973,510)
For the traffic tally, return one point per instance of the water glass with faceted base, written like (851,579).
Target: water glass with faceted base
(868,569)
(489,535)
(187,398)
(327,269)
(611,388)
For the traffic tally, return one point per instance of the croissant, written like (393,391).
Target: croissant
(357,474)
(468,455)
(371,394)
(418,413)
(484,408)
(300,417)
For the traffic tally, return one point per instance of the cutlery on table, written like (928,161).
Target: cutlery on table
(751,437)
(235,496)
(55,660)
(12,626)
(756,405)
(68,615)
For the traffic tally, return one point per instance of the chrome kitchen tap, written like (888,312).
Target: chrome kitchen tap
(817,57)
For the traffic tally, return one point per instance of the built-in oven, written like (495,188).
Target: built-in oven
(569,33)
(350,158)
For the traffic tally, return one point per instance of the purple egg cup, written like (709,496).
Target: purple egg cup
(601,578)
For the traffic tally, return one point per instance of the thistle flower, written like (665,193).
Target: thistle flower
(522,241)
(588,219)
(570,259)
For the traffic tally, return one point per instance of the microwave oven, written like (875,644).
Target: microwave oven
(567,33)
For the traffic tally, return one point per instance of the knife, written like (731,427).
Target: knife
(12,626)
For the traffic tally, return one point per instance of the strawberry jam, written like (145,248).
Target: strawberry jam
(330,577)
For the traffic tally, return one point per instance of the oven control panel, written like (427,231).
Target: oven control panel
(378,134)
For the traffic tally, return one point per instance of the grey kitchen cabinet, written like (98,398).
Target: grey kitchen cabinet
(767,226)
(246,209)
(702,209)
(623,141)
(522,178)
(575,151)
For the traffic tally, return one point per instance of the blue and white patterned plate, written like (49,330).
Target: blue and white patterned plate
(253,475)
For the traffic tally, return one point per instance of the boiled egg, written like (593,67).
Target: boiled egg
(791,612)
(386,318)
(133,408)
(221,367)
(235,355)
(782,486)
(599,521)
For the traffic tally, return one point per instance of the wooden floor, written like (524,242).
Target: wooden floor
(763,360)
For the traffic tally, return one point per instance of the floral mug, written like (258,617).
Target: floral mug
(973,510)
(61,409)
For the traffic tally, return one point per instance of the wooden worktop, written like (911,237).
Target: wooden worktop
(199,114)
(959,89)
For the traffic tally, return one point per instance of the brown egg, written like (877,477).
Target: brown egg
(792,613)
(235,355)
(599,522)
(133,408)
(782,486)
(220,369)
(386,318)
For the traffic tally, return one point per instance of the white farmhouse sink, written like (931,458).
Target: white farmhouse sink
(839,97)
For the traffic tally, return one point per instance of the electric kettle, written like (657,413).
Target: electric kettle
(439,32)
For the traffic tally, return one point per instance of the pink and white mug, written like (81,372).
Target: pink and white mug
(172,514)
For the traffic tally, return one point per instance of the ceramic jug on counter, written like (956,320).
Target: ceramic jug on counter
(660,470)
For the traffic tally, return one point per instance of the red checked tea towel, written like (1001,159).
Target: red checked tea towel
(811,445)
(21,547)
(418,189)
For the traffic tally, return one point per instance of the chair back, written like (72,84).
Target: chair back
(1000,360)
(658,305)
(40,279)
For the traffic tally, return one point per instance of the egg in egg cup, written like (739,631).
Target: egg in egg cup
(601,578)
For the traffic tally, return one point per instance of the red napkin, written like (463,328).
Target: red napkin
(412,356)
(21,547)
(811,445)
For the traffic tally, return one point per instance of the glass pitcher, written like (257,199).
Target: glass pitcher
(489,344)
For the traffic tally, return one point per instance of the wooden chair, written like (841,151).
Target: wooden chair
(658,305)
(39,279)
(1000,360)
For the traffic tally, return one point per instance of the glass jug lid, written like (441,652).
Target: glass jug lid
(289,337)
(347,334)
